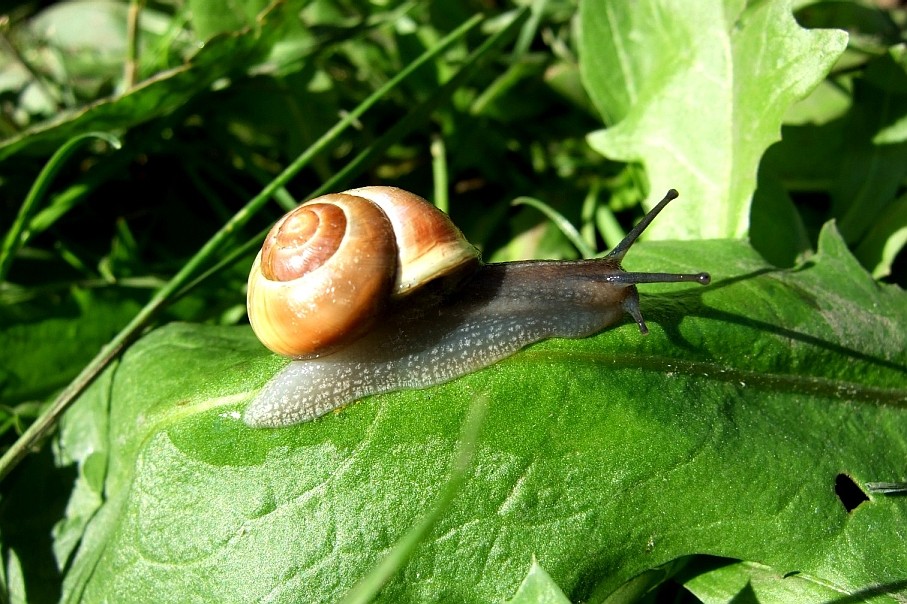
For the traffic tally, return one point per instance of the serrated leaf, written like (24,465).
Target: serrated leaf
(697,92)
(722,432)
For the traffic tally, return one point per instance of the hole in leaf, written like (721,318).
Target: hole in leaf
(849,492)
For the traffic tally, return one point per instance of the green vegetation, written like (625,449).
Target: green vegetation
(734,454)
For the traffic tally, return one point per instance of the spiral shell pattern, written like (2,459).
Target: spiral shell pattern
(330,267)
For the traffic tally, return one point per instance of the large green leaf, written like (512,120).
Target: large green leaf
(722,432)
(696,91)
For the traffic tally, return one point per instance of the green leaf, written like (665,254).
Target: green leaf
(885,239)
(776,229)
(722,432)
(697,92)
(83,442)
(13,584)
(538,588)
(752,582)
(48,339)
(212,18)
(368,586)
(871,169)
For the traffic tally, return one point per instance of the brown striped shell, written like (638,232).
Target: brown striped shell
(330,267)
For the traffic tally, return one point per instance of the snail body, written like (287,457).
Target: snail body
(423,333)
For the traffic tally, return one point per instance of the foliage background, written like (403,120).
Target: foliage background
(209,105)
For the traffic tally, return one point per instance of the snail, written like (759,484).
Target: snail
(374,290)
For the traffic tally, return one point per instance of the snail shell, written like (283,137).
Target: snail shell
(439,313)
(330,267)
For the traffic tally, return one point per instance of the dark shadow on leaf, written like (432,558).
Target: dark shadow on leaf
(805,338)
(704,564)
(893,588)
(669,309)
(701,564)
(745,596)
(591,588)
